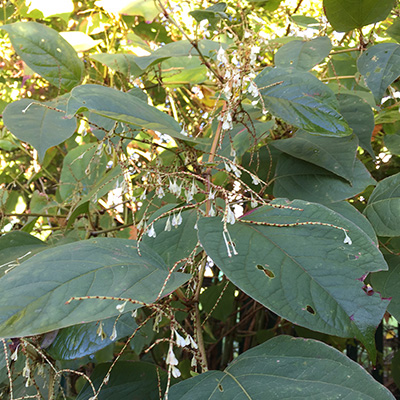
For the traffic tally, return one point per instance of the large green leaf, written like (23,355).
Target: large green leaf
(387,284)
(127,381)
(380,66)
(303,55)
(297,179)
(337,155)
(122,107)
(33,295)
(35,123)
(345,15)
(81,170)
(383,208)
(85,339)
(45,51)
(14,245)
(360,117)
(302,100)
(123,63)
(306,273)
(285,368)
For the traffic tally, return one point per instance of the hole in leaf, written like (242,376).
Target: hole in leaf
(310,310)
(220,388)
(266,271)
(368,290)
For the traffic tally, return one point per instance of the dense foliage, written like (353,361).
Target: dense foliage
(198,200)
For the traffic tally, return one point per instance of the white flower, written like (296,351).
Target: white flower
(236,170)
(171,359)
(152,232)
(255,180)
(168,224)
(227,167)
(121,307)
(193,362)
(160,192)
(193,343)
(114,333)
(14,356)
(211,195)
(253,202)
(221,56)
(175,372)
(174,188)
(100,331)
(212,212)
(143,195)
(252,89)
(347,239)
(180,341)
(177,220)
(230,216)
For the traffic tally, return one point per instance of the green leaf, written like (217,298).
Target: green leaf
(128,380)
(81,170)
(300,99)
(183,70)
(394,30)
(345,15)
(360,117)
(213,14)
(284,368)
(35,123)
(306,273)
(303,55)
(346,210)
(123,63)
(383,208)
(176,244)
(297,179)
(305,21)
(181,48)
(81,340)
(392,142)
(380,66)
(45,51)
(15,245)
(336,155)
(387,284)
(34,294)
(122,107)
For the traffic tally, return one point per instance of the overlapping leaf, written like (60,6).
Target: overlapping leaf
(122,107)
(302,100)
(123,63)
(45,51)
(285,368)
(360,117)
(298,179)
(306,273)
(37,124)
(84,339)
(34,294)
(380,66)
(337,155)
(303,55)
(383,208)
(345,15)
(387,283)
